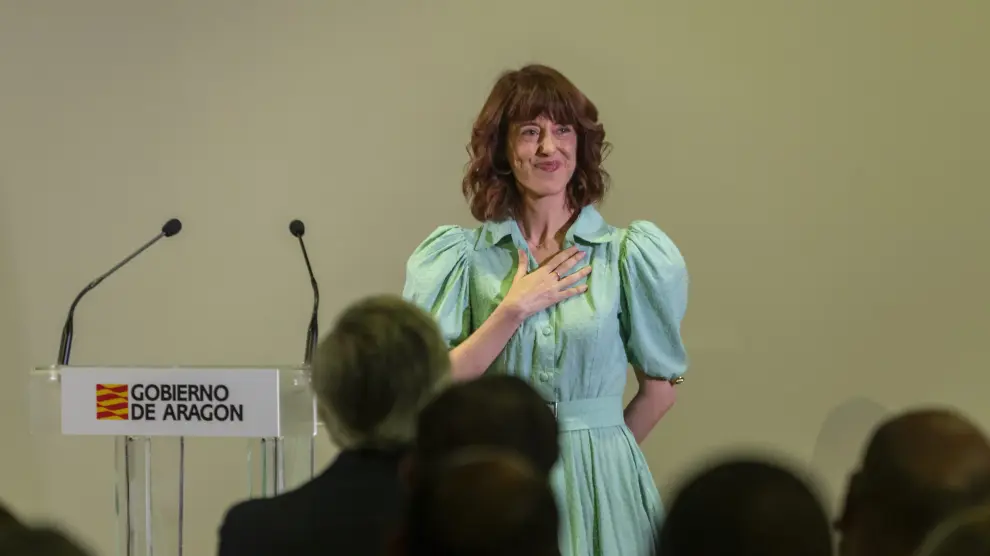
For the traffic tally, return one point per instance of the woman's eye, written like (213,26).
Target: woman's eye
(564,129)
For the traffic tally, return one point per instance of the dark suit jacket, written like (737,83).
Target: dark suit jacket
(349,510)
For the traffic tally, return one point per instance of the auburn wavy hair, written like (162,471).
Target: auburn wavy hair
(523,95)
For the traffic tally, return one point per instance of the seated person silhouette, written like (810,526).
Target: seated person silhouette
(480,502)
(494,411)
(746,507)
(919,468)
(383,360)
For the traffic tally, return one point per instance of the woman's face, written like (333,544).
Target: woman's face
(543,156)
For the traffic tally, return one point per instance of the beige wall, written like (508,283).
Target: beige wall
(823,166)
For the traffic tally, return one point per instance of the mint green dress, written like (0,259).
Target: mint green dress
(576,353)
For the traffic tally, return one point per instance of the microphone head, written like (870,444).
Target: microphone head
(297,228)
(172,227)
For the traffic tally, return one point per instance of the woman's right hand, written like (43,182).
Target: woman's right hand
(532,292)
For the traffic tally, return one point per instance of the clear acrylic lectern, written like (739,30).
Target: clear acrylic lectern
(152,411)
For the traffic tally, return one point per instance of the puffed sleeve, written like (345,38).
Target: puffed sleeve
(654,299)
(437,280)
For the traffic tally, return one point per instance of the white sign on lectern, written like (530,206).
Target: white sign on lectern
(170,402)
(152,413)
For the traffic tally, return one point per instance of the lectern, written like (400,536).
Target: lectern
(272,408)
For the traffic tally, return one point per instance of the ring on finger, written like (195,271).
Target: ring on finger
(556,274)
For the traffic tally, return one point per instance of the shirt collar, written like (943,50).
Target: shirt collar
(589,227)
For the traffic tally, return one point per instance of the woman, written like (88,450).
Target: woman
(547,291)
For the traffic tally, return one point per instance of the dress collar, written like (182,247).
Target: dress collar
(589,227)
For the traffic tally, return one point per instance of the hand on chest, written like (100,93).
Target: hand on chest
(493,270)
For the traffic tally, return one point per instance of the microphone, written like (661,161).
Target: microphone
(298,229)
(170,228)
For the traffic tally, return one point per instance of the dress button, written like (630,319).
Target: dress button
(547,331)
(545,376)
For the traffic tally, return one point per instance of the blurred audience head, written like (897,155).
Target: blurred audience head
(7,519)
(481,502)
(964,534)
(382,361)
(919,469)
(37,541)
(746,507)
(495,411)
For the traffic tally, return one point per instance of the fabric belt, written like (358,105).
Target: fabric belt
(593,413)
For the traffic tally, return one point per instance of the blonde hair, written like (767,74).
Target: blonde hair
(383,361)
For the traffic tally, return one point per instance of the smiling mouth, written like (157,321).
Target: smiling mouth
(549,166)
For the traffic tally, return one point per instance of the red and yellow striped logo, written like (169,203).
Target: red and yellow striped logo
(111,402)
